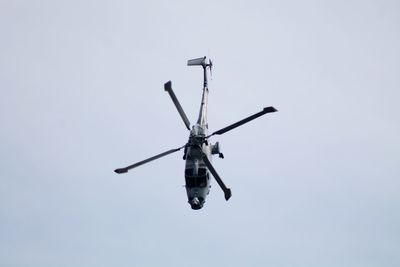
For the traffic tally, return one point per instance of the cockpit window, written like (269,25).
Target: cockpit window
(199,181)
(200,172)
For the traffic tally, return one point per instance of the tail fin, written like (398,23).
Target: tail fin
(201,61)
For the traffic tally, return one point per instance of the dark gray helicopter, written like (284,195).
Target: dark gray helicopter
(198,150)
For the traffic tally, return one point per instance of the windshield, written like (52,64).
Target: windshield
(199,181)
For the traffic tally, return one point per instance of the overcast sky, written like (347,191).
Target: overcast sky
(81,93)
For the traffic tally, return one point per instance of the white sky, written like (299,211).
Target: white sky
(81,93)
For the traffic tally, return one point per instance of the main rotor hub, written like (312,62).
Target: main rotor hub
(197,135)
(198,130)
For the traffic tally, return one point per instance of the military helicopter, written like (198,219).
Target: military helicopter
(198,150)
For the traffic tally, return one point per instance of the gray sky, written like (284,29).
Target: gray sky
(81,93)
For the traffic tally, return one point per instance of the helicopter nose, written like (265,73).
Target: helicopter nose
(195,203)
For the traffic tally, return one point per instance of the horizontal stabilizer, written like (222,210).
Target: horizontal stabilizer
(197,61)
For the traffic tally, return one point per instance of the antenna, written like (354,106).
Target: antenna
(202,61)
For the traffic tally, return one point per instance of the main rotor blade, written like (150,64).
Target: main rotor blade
(246,120)
(168,88)
(125,170)
(210,167)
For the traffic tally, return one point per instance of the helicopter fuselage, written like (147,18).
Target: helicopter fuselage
(197,176)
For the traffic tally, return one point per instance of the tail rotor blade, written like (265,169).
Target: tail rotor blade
(210,65)
(227,191)
(246,120)
(126,169)
(168,88)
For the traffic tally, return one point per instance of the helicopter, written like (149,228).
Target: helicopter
(198,151)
